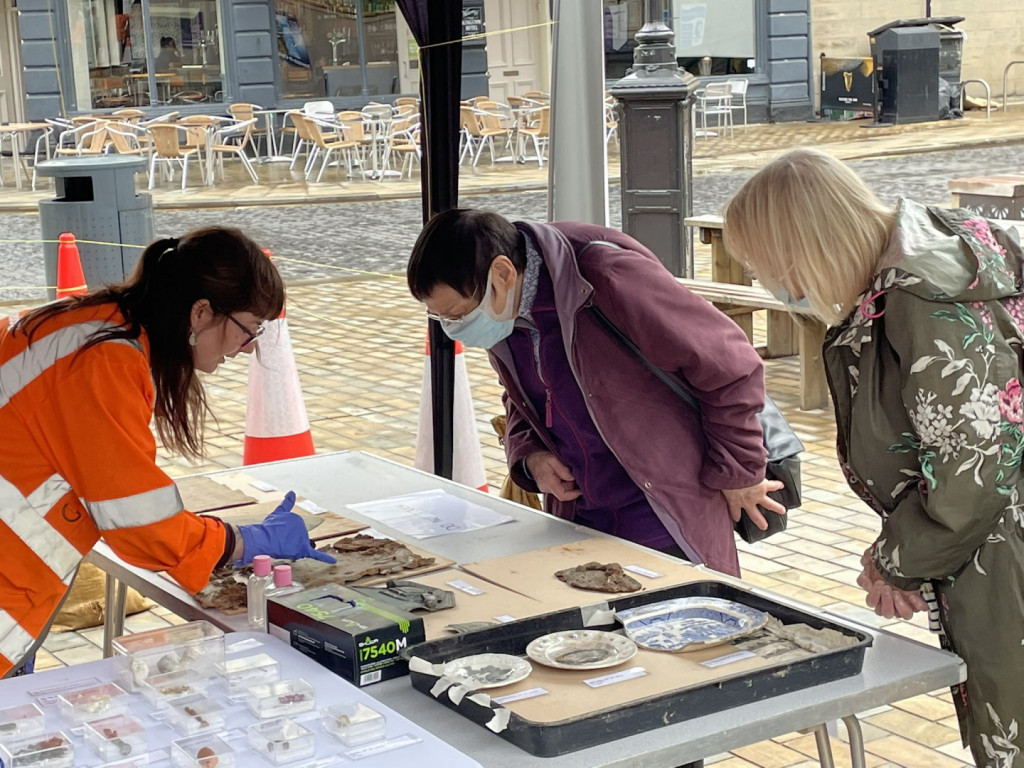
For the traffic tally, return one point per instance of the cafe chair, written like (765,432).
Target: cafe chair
(739,89)
(537,127)
(715,100)
(324,145)
(167,148)
(232,140)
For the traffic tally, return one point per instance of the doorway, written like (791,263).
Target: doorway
(517,61)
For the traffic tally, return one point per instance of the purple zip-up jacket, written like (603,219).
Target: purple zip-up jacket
(680,460)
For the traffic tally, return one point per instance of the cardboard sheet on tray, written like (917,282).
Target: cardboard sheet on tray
(438,564)
(242,481)
(533,573)
(494,602)
(329,525)
(569,697)
(200,493)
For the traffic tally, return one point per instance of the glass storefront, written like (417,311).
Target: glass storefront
(329,48)
(715,37)
(121,61)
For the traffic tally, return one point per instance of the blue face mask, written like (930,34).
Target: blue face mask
(481,327)
(780,293)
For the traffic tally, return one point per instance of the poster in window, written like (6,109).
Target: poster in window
(291,46)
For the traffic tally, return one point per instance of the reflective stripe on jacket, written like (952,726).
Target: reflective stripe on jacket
(78,461)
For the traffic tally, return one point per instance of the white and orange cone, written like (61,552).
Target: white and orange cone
(276,424)
(467,458)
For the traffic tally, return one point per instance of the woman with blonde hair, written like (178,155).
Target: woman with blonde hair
(924,363)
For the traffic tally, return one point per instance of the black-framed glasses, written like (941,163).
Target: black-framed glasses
(251,336)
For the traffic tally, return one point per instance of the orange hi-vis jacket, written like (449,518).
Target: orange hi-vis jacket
(77,462)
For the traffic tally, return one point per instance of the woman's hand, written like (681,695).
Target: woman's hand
(552,476)
(748,499)
(886,600)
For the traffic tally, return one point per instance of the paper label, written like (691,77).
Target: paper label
(242,645)
(469,589)
(382,746)
(616,677)
(642,571)
(311,506)
(504,618)
(529,694)
(728,659)
(259,485)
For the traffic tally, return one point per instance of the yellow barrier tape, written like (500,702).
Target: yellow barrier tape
(489,34)
(77,241)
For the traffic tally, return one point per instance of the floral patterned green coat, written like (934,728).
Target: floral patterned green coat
(926,381)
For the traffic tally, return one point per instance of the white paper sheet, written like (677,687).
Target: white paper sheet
(430,513)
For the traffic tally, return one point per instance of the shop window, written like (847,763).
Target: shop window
(113,57)
(318,48)
(715,37)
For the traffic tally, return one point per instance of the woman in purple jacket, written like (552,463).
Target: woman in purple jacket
(609,445)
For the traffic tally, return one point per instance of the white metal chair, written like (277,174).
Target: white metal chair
(739,87)
(715,100)
(232,141)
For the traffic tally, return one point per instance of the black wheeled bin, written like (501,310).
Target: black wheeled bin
(96,200)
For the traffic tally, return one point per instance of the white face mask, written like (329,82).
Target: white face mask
(482,327)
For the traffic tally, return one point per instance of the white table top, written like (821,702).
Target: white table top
(894,667)
(43,688)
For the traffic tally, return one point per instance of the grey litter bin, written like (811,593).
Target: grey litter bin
(96,200)
(910,68)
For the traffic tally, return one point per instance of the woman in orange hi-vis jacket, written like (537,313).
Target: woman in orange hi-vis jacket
(80,381)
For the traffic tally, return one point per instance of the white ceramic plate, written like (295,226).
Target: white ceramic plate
(690,623)
(581,649)
(487,670)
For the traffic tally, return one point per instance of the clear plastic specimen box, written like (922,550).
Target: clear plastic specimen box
(116,737)
(238,674)
(21,720)
(92,703)
(281,740)
(207,751)
(354,724)
(195,714)
(283,697)
(197,646)
(48,750)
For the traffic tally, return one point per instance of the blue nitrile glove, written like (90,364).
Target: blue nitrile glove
(281,534)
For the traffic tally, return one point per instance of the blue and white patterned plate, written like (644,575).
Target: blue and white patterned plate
(689,623)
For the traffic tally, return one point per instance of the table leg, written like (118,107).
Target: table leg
(824,747)
(858,759)
(17,160)
(113,619)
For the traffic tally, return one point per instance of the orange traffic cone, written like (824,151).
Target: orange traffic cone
(467,459)
(276,425)
(70,278)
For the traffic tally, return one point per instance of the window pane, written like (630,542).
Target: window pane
(185,51)
(715,38)
(100,53)
(318,47)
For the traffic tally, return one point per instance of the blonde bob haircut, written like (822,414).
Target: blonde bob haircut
(807,223)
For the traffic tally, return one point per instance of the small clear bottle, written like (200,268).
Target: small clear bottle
(256,592)
(283,584)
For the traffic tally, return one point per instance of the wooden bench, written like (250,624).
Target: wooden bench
(809,331)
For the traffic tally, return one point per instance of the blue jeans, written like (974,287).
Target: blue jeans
(27,667)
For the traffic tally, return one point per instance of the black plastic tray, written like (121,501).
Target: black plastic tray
(559,738)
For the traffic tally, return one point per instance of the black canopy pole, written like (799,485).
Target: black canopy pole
(437,27)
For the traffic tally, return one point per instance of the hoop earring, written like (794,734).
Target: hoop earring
(192,339)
